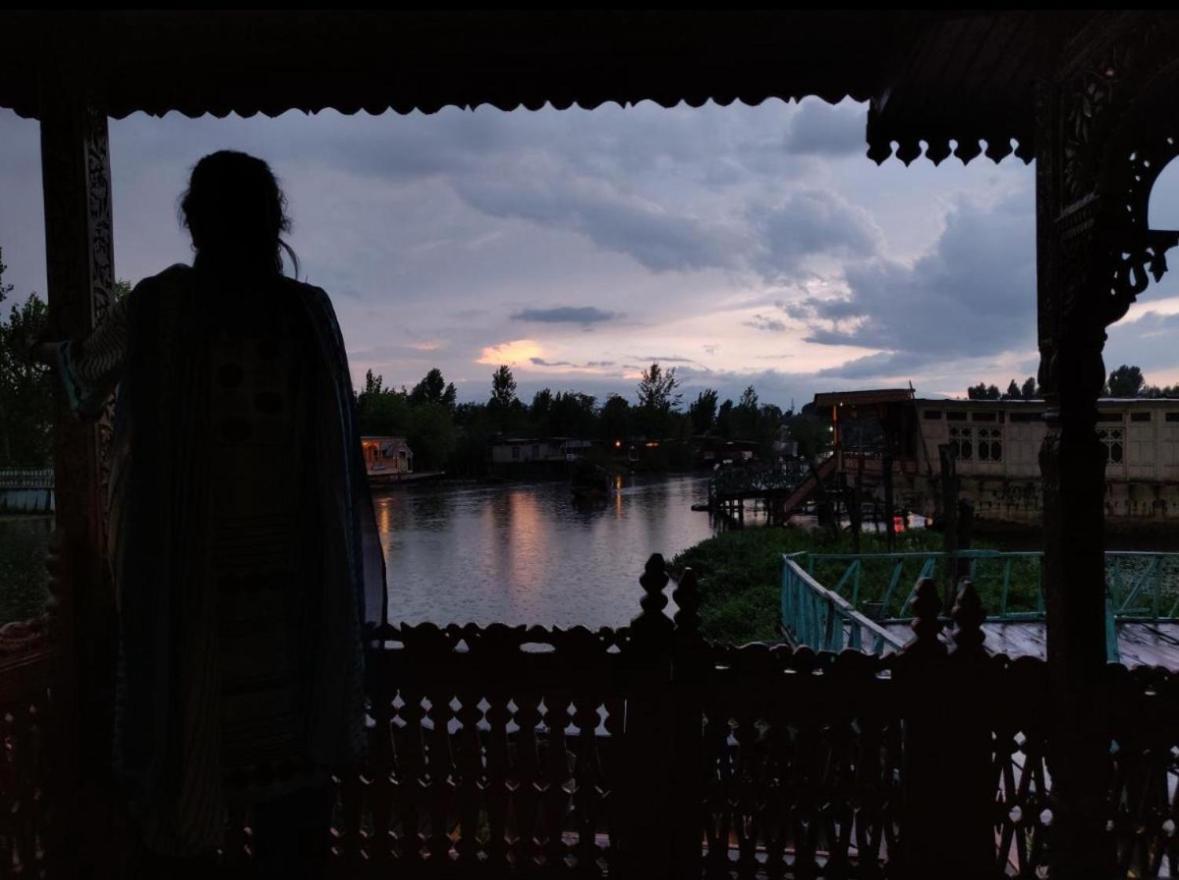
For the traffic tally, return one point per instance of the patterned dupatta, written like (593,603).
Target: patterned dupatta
(160,536)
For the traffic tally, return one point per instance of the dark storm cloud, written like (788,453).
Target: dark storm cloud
(566,315)
(659,239)
(883,363)
(808,223)
(588,365)
(820,129)
(761,322)
(974,294)
(666,359)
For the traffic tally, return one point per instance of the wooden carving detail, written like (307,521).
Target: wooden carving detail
(100,235)
(489,747)
(1112,150)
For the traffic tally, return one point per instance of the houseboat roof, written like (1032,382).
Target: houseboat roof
(852,398)
(1039,402)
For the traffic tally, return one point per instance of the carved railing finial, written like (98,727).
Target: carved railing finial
(654,581)
(968,615)
(927,624)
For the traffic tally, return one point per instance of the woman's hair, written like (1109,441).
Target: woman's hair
(236,213)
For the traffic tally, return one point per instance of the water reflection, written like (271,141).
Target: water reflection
(526,553)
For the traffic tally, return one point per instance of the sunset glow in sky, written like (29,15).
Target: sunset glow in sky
(740,245)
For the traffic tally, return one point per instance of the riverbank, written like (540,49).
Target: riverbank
(739,573)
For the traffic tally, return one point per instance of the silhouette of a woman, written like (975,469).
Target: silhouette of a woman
(243,541)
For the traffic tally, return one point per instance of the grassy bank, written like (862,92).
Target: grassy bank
(739,573)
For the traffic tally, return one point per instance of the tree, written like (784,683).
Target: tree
(503,387)
(430,434)
(433,389)
(381,410)
(572,415)
(724,419)
(702,411)
(1013,392)
(540,412)
(1125,381)
(658,389)
(1029,389)
(982,391)
(615,419)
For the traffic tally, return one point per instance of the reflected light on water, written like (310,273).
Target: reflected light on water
(525,543)
(384,516)
(527,554)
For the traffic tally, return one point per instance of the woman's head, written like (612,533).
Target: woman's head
(236,213)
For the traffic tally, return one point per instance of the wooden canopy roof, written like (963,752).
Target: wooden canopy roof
(935,77)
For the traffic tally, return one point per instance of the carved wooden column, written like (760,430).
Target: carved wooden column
(1072,375)
(79,262)
(1102,139)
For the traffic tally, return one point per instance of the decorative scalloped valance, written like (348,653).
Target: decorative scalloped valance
(938,82)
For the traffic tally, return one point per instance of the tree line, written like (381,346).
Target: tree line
(1126,381)
(443,433)
(454,436)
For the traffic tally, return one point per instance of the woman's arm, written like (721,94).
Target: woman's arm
(91,368)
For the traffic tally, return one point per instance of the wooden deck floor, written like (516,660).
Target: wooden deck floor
(1140,643)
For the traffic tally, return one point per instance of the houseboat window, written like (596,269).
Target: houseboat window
(1140,417)
(989,446)
(983,417)
(1112,440)
(1111,417)
(1026,416)
(996,446)
(933,414)
(962,442)
(515,453)
(1173,417)
(955,417)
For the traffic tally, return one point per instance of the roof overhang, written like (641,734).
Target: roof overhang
(932,77)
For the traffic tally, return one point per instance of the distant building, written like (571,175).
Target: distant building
(538,450)
(996,447)
(387,456)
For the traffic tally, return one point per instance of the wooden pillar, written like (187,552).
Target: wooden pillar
(1072,373)
(79,261)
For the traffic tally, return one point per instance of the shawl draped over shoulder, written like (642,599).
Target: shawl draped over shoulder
(151,346)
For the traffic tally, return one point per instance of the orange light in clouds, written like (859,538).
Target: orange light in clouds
(514,353)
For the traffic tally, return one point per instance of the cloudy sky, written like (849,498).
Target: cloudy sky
(741,245)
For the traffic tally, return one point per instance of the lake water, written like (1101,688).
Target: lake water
(525,553)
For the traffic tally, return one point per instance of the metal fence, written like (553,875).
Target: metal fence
(879,587)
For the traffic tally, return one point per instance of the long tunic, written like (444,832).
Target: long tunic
(244,545)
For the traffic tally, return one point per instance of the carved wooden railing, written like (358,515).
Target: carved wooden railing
(26,666)
(647,751)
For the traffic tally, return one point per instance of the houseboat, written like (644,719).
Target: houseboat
(387,459)
(995,445)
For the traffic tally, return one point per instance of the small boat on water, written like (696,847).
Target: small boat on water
(590,483)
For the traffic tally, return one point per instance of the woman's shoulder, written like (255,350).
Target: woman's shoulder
(176,275)
(314,296)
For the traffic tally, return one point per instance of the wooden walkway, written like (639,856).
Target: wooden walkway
(1140,643)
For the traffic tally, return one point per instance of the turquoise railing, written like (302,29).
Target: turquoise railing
(1140,586)
(817,617)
